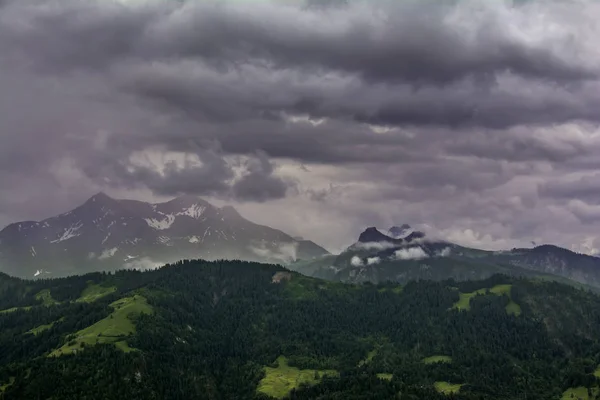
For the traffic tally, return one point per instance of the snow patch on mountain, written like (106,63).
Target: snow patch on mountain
(69,233)
(161,224)
(163,239)
(195,211)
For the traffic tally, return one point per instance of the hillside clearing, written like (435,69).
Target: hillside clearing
(46,298)
(114,329)
(447,387)
(9,310)
(386,377)
(437,359)
(279,381)
(94,292)
(464,301)
(39,329)
(396,289)
(43,296)
(369,358)
(579,393)
(11,380)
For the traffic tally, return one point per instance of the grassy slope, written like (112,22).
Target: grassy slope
(369,358)
(579,393)
(464,303)
(8,310)
(113,329)
(94,292)
(43,296)
(437,359)
(279,381)
(387,377)
(46,298)
(6,385)
(447,387)
(39,329)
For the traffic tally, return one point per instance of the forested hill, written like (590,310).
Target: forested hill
(237,330)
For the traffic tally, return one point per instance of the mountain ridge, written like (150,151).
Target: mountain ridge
(410,255)
(105,233)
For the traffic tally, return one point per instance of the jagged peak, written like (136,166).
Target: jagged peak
(99,200)
(100,197)
(399,231)
(372,234)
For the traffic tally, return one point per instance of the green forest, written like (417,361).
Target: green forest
(240,330)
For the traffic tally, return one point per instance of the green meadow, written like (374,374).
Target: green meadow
(579,393)
(46,298)
(113,329)
(279,381)
(387,377)
(464,302)
(447,387)
(437,359)
(94,292)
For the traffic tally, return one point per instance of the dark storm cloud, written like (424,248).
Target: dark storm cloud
(380,41)
(259,183)
(385,62)
(252,91)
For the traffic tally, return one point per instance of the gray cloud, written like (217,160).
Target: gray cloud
(473,117)
(259,183)
(582,187)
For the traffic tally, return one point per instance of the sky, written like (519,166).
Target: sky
(475,119)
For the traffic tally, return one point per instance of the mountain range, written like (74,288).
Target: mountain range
(404,254)
(108,234)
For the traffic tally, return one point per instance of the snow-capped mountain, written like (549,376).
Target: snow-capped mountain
(105,234)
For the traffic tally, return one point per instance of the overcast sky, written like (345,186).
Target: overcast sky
(478,119)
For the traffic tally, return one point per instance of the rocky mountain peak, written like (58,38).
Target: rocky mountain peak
(401,231)
(107,234)
(372,234)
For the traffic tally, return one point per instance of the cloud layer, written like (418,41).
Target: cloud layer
(478,118)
